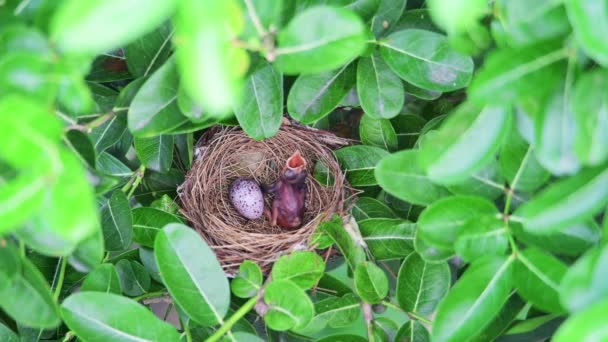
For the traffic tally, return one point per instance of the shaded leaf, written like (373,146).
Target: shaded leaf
(359,163)
(104,278)
(367,207)
(412,331)
(337,312)
(134,278)
(352,251)
(518,164)
(537,278)
(107,134)
(371,282)
(110,165)
(572,240)
(155,153)
(388,238)
(377,132)
(147,222)
(387,15)
(421,285)
(117,222)
(379,89)
(149,52)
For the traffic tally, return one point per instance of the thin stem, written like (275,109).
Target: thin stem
(139,176)
(100,120)
(148,295)
(230,322)
(68,336)
(255,19)
(411,315)
(186,329)
(368,316)
(64,262)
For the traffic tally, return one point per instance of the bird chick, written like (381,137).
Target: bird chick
(290,194)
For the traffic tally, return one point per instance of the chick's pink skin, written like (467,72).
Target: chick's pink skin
(247,198)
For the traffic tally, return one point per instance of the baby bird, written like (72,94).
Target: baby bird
(290,194)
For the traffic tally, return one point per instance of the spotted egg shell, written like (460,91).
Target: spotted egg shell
(247,198)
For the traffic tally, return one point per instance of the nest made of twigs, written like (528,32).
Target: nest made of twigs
(227,153)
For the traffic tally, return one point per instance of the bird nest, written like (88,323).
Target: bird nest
(224,154)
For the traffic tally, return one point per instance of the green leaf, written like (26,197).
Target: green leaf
(408,127)
(89,253)
(28,300)
(109,133)
(583,284)
(111,166)
(155,153)
(371,282)
(421,285)
(518,164)
(400,175)
(503,321)
(590,25)
(248,280)
(441,222)
(457,16)
(146,255)
(387,15)
(117,222)
(313,96)
(481,236)
(210,64)
(590,107)
(526,23)
(154,109)
(475,300)
(425,59)
(555,135)
(303,268)
(260,109)
(343,338)
(377,132)
(367,207)
(149,52)
(388,238)
(79,142)
(487,182)
(566,202)
(339,36)
(379,89)
(537,278)
(192,274)
(359,163)
(572,240)
(10,265)
(587,325)
(104,278)
(75,22)
(27,74)
(7,334)
(147,222)
(431,253)
(268,13)
(349,248)
(466,142)
(414,332)
(96,317)
(288,306)
(134,278)
(337,312)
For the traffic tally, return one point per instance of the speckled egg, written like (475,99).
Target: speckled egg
(247,198)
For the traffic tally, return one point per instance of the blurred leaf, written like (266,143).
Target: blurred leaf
(526,23)
(79,142)
(248,280)
(117,222)
(110,165)
(420,93)
(166,204)
(481,236)
(155,153)
(421,285)
(134,278)
(466,142)
(337,312)
(590,24)
(518,164)
(339,36)
(414,55)
(413,331)
(350,249)
(75,22)
(7,335)
(97,317)
(441,223)
(387,15)
(400,175)
(590,107)
(288,306)
(201,290)
(408,128)
(266,14)
(146,255)
(359,163)
(89,253)
(149,52)
(27,74)
(211,66)
(104,278)
(487,182)
(475,300)
(154,109)
(371,282)
(10,265)
(457,16)
(566,202)
(303,268)
(388,238)
(572,240)
(537,278)
(109,132)
(367,207)
(342,338)
(380,90)
(377,132)
(109,67)
(582,285)
(147,222)
(586,325)
(313,96)
(260,109)
(28,300)
(19,37)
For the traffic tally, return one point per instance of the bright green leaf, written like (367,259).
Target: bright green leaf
(104,278)
(288,306)
(421,285)
(481,236)
(583,283)
(377,132)
(388,238)
(518,164)
(147,222)
(248,281)
(587,325)
(590,24)
(303,268)
(379,89)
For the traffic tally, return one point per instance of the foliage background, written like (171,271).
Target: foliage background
(483,166)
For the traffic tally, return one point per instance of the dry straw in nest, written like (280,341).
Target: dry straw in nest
(227,153)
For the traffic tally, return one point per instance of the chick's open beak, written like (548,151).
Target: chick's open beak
(296,162)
